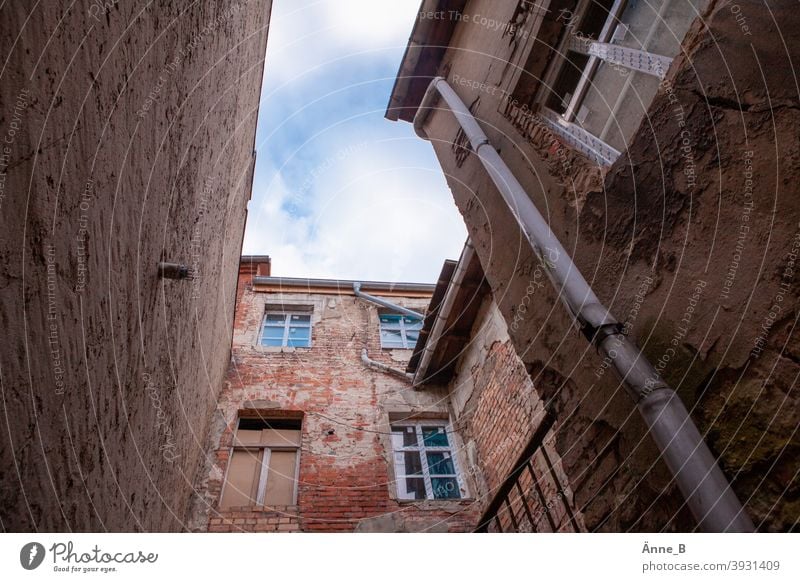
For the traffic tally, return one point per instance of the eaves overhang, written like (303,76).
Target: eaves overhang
(341,286)
(429,41)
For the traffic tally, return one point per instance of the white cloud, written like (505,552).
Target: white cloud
(371,219)
(370,23)
(358,197)
(310,34)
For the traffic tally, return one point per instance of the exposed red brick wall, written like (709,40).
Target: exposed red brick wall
(345,460)
(499,413)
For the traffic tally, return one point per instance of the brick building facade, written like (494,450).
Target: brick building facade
(343,421)
(343,408)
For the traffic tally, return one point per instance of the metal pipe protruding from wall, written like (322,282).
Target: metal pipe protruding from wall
(384,303)
(702,483)
(175,271)
(444,312)
(384,368)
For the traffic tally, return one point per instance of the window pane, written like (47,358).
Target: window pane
(242,479)
(299,337)
(445,488)
(272,336)
(567,81)
(409,435)
(616,102)
(301,319)
(411,338)
(299,332)
(657,27)
(597,12)
(440,464)
(272,332)
(413,464)
(434,436)
(414,488)
(280,478)
(280,437)
(391,339)
(390,319)
(248,437)
(275,318)
(413,323)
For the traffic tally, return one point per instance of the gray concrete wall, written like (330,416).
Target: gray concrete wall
(129,133)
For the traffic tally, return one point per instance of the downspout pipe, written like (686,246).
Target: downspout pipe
(438,328)
(384,303)
(383,367)
(694,468)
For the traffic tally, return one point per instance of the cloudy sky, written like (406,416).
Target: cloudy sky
(339,191)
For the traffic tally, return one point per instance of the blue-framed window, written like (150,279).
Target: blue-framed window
(399,331)
(287,329)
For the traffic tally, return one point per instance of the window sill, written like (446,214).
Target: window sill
(259,509)
(435,503)
(279,349)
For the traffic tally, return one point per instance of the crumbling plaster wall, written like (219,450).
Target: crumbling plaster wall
(129,132)
(658,241)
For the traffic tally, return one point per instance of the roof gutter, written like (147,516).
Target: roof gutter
(703,484)
(343,284)
(443,314)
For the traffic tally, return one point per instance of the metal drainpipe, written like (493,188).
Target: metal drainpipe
(389,305)
(444,311)
(705,488)
(383,303)
(383,367)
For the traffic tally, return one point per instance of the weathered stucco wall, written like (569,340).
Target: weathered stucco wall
(346,476)
(690,240)
(129,131)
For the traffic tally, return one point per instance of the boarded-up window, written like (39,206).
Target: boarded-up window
(263,465)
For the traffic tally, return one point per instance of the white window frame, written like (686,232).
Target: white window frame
(598,50)
(287,324)
(398,450)
(592,64)
(401,328)
(264,467)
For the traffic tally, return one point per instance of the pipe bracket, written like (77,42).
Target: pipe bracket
(597,323)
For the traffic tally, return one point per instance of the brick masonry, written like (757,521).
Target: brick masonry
(498,413)
(346,474)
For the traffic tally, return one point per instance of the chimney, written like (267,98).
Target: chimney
(254,266)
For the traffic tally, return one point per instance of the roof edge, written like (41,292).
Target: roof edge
(427,44)
(344,284)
